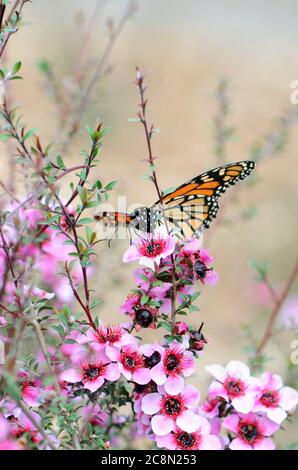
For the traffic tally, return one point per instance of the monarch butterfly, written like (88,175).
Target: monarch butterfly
(187,209)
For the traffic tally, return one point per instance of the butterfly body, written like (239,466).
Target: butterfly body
(189,208)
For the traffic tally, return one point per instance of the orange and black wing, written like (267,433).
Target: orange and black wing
(193,205)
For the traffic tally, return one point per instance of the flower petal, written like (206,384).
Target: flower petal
(151,403)
(217,371)
(239,444)
(71,375)
(142,376)
(94,384)
(264,444)
(112,372)
(161,425)
(210,442)
(188,421)
(191,396)
(237,369)
(158,374)
(288,398)
(174,385)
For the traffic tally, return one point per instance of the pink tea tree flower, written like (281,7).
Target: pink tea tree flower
(168,410)
(109,339)
(6,437)
(176,362)
(200,439)
(92,373)
(196,262)
(132,365)
(149,251)
(234,384)
(252,432)
(273,399)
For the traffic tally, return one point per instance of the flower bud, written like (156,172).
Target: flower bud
(180,328)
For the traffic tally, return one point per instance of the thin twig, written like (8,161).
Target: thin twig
(39,334)
(85,100)
(149,134)
(29,415)
(278,304)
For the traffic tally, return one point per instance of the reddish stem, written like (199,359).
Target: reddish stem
(278,304)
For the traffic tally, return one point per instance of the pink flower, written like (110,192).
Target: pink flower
(149,251)
(234,384)
(6,443)
(273,399)
(210,407)
(131,301)
(31,392)
(170,409)
(143,316)
(175,362)
(196,262)
(24,425)
(92,373)
(110,339)
(94,415)
(65,222)
(143,278)
(252,431)
(201,439)
(202,270)
(33,217)
(190,247)
(132,365)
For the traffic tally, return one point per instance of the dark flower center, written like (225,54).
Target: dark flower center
(249,432)
(152,247)
(172,362)
(200,269)
(144,317)
(269,399)
(186,439)
(130,362)
(234,387)
(93,372)
(152,360)
(172,406)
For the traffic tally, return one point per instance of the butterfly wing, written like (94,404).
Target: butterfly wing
(193,205)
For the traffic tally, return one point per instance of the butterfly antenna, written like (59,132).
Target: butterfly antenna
(114,234)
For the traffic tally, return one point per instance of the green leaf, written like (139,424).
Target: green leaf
(144,299)
(30,133)
(110,185)
(16,67)
(165,325)
(85,220)
(5,137)
(88,234)
(60,162)
(104,132)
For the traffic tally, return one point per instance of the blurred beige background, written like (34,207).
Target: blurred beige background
(188,46)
